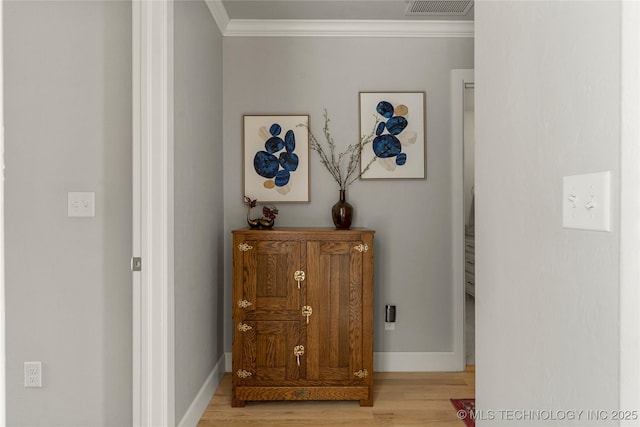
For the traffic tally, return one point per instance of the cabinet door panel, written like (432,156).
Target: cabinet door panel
(269,271)
(334,333)
(267,351)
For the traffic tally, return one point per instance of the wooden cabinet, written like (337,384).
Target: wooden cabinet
(303,315)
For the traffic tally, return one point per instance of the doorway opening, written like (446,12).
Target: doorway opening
(468,138)
(462,161)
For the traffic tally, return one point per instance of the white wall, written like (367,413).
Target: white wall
(198,200)
(68,284)
(547,105)
(411,217)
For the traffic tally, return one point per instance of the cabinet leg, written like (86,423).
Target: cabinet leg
(367,402)
(235,403)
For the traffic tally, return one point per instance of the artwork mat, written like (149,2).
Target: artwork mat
(415,168)
(252,183)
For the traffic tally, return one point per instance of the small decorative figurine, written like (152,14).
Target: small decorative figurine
(269,215)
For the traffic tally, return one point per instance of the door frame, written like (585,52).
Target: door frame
(629,382)
(153,241)
(3,391)
(458,80)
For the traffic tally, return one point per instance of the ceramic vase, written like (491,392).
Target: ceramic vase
(342,213)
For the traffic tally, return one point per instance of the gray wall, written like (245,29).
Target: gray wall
(411,217)
(547,105)
(68,284)
(198,199)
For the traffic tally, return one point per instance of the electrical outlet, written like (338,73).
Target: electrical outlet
(32,374)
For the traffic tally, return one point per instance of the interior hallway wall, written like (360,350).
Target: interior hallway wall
(68,284)
(198,211)
(547,106)
(198,187)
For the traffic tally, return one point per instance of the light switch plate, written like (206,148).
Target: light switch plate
(586,201)
(81,204)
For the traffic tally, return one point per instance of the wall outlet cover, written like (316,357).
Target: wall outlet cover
(33,374)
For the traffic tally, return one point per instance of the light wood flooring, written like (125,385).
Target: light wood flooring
(400,399)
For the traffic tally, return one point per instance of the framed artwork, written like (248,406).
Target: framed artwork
(397,122)
(276,158)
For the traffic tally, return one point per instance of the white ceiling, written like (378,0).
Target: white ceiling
(332,10)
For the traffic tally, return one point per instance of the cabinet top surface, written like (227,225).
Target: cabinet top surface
(302,229)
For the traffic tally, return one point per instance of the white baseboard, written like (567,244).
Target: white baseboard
(228,366)
(406,362)
(202,399)
(417,362)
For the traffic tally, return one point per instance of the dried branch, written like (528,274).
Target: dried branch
(333,162)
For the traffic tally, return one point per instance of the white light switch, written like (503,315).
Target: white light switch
(81,204)
(586,201)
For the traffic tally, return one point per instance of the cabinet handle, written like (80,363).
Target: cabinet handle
(299,277)
(297,352)
(306,312)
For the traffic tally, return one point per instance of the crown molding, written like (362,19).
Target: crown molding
(219,14)
(346,28)
(335,27)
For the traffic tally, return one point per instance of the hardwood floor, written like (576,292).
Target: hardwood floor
(400,399)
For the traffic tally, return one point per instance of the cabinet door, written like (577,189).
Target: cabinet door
(334,292)
(269,276)
(267,313)
(268,351)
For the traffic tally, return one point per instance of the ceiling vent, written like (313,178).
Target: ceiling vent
(438,7)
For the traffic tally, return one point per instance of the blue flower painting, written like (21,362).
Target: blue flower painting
(387,144)
(397,119)
(278,159)
(278,151)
